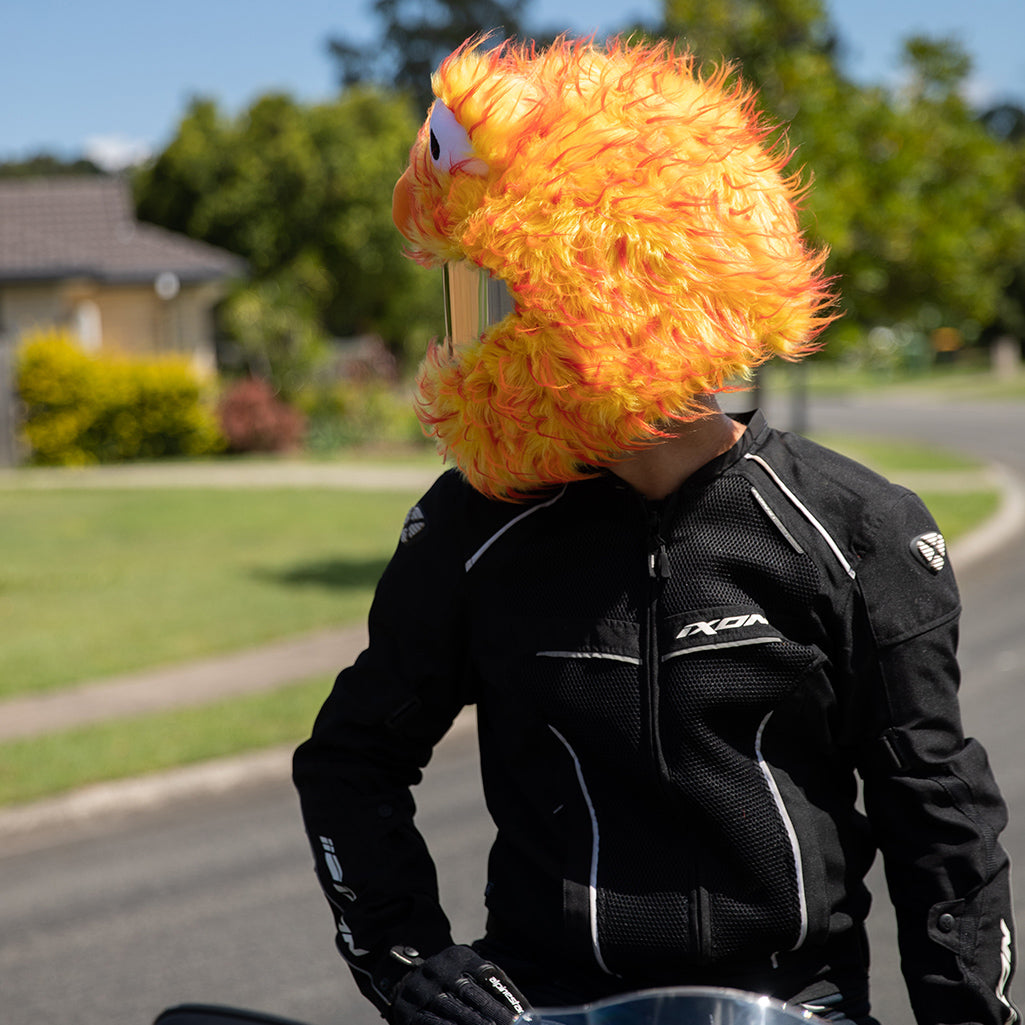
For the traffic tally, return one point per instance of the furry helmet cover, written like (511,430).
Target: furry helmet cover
(645,230)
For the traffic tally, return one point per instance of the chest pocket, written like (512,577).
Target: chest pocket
(582,678)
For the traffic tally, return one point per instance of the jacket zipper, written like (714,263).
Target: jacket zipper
(659,571)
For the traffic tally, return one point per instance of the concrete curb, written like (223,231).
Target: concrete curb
(78,808)
(126,796)
(1002,528)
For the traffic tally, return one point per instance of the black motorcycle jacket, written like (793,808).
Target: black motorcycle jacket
(675,702)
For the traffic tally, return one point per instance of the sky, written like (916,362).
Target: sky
(111,79)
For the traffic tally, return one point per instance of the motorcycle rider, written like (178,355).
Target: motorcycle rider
(686,634)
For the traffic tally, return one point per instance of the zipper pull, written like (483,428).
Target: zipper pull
(662,559)
(658,558)
(658,561)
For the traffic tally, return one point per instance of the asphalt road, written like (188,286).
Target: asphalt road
(214,900)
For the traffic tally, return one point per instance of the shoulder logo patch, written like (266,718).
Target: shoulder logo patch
(931,549)
(414,525)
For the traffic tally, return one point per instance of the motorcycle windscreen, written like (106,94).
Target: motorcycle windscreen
(675,1006)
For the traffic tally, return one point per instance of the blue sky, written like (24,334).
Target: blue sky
(113,77)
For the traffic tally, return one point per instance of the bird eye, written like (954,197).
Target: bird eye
(450,145)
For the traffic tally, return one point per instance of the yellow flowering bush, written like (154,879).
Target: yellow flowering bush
(80,408)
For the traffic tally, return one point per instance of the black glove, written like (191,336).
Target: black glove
(454,987)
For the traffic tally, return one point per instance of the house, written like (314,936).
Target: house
(73,255)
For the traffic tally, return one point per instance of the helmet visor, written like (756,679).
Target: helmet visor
(474,300)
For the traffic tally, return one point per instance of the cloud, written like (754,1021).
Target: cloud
(116,152)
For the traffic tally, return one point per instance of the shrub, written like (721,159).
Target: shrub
(254,419)
(80,408)
(361,413)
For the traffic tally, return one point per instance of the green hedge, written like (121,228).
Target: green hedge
(80,409)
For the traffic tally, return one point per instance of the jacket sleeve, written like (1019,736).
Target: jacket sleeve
(370,741)
(929,793)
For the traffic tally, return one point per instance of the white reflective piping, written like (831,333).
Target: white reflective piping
(724,644)
(590,654)
(777,522)
(472,560)
(1006,968)
(385,998)
(795,845)
(592,888)
(805,512)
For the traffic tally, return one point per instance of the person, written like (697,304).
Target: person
(687,635)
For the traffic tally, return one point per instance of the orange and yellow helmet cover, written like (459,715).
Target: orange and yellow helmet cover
(645,229)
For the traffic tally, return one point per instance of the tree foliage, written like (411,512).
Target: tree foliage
(776,43)
(41,165)
(919,203)
(303,192)
(416,35)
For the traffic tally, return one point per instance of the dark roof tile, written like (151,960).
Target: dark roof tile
(53,228)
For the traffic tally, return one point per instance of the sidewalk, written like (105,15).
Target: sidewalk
(277,664)
(176,686)
(235,473)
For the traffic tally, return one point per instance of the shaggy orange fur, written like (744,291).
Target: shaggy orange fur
(649,239)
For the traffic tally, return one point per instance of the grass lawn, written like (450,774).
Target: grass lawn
(96,582)
(958,382)
(896,458)
(958,513)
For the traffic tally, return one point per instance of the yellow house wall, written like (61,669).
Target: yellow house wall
(24,307)
(128,319)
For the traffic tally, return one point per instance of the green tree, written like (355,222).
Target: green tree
(922,215)
(44,164)
(414,38)
(915,199)
(304,194)
(1006,123)
(777,44)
